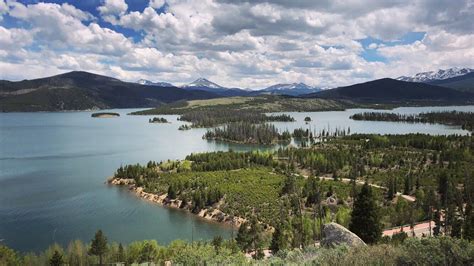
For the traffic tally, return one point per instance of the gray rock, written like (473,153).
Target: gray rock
(336,234)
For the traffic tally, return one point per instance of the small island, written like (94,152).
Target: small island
(248,133)
(184,127)
(453,118)
(105,115)
(159,120)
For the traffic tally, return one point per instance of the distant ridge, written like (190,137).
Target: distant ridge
(441,74)
(293,89)
(151,83)
(461,83)
(388,90)
(79,90)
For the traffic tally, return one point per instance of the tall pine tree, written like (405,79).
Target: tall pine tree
(56,259)
(365,220)
(468,226)
(99,246)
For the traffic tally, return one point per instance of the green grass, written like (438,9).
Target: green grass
(246,190)
(264,103)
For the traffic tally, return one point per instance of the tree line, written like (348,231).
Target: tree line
(463,119)
(220,251)
(212,118)
(245,132)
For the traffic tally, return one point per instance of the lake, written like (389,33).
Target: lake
(53,167)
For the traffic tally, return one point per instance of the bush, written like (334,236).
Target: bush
(437,251)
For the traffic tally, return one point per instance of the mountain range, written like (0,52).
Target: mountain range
(441,74)
(79,90)
(158,84)
(292,89)
(455,78)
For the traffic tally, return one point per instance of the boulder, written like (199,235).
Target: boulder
(331,201)
(336,234)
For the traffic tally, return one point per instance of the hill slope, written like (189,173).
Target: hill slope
(391,90)
(293,89)
(79,90)
(461,83)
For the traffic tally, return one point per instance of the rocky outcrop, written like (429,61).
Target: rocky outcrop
(211,214)
(336,234)
(121,181)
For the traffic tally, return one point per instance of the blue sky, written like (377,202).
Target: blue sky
(235,43)
(370,54)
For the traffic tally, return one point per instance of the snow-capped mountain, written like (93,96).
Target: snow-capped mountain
(205,83)
(437,75)
(293,89)
(151,83)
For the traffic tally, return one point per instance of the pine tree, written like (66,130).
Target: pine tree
(277,239)
(56,259)
(391,187)
(468,226)
(217,243)
(365,220)
(250,235)
(438,223)
(256,232)
(407,188)
(99,246)
(243,236)
(289,185)
(171,192)
(121,253)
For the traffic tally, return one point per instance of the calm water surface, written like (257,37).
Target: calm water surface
(53,167)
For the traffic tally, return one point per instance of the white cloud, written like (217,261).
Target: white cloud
(112,8)
(437,50)
(237,43)
(156,3)
(14,38)
(3,9)
(373,46)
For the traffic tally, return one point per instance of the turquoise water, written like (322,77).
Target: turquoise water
(53,167)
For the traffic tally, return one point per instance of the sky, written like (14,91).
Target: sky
(246,44)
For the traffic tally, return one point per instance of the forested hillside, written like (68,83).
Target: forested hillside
(287,195)
(388,90)
(79,90)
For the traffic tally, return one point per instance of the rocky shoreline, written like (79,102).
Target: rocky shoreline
(211,214)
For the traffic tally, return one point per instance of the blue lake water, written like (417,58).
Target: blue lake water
(53,167)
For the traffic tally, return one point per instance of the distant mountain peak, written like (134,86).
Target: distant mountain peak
(151,83)
(437,75)
(296,88)
(203,82)
(294,85)
(144,82)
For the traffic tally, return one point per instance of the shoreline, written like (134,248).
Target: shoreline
(278,142)
(212,214)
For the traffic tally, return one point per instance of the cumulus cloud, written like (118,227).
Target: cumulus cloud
(112,8)
(3,9)
(237,43)
(157,3)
